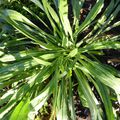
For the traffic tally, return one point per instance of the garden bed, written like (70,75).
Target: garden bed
(67,59)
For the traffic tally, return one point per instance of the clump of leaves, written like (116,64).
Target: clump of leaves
(46,60)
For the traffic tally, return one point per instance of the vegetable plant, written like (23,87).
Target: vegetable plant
(49,59)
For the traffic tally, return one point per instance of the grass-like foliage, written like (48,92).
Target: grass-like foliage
(50,59)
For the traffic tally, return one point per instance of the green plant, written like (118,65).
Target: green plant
(52,58)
